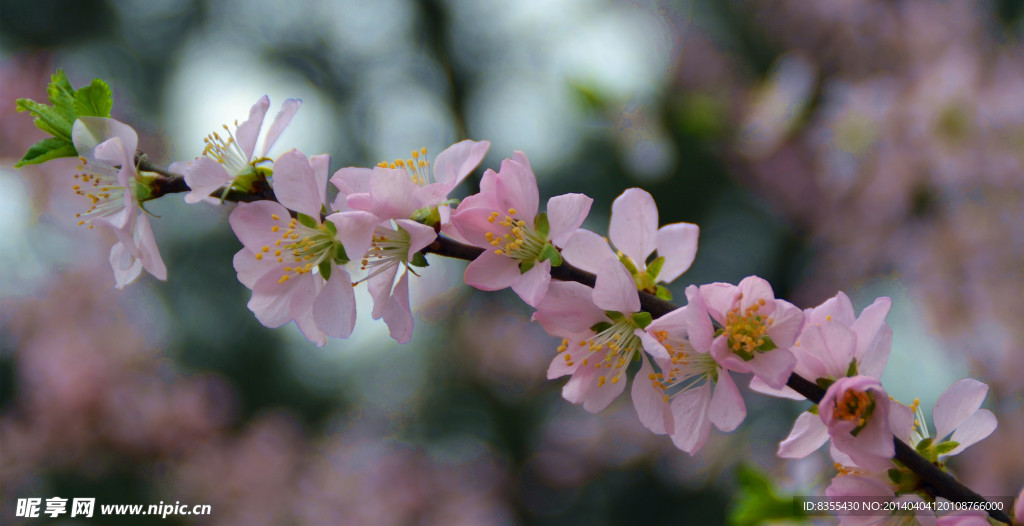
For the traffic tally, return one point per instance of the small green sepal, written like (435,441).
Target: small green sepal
(655,267)
(923,445)
(600,326)
(325,269)
(550,252)
(824,383)
(541,224)
(945,447)
(614,315)
(852,369)
(307,221)
(525,266)
(331,227)
(642,319)
(663,293)
(419,260)
(338,254)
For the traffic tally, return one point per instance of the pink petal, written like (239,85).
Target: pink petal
(288,110)
(274,303)
(570,305)
(247,132)
(901,421)
(355,231)
(634,224)
(474,226)
(649,402)
(380,287)
(833,344)
(517,188)
(758,385)
(719,298)
(459,160)
(689,410)
(420,235)
(490,271)
(296,185)
(808,434)
(533,285)
(615,289)
(726,409)
(698,322)
(334,309)
(773,367)
(587,251)
(203,176)
(397,314)
(652,345)
(976,428)
(149,254)
(321,165)
(753,289)
(788,320)
(678,243)
(126,268)
(393,193)
(601,396)
(874,338)
(250,269)
(307,326)
(560,367)
(352,180)
(565,214)
(957,404)
(88,132)
(253,223)
(838,308)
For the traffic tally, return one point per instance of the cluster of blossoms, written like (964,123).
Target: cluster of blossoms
(303,255)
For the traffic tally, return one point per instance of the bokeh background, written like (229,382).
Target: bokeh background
(875,147)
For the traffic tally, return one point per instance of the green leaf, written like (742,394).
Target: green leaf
(758,500)
(46,149)
(946,447)
(94,100)
(47,118)
(600,326)
(642,319)
(541,225)
(419,260)
(655,267)
(550,252)
(62,96)
(325,269)
(307,221)
(663,293)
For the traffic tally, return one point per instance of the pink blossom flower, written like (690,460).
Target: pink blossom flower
(834,343)
(856,412)
(228,161)
(504,215)
(109,179)
(403,196)
(634,232)
(959,421)
(757,329)
(688,391)
(598,330)
(292,264)
(404,189)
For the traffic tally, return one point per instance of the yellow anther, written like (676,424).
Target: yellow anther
(275,217)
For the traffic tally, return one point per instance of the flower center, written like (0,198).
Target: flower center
(854,406)
(303,247)
(748,333)
(417,166)
(227,152)
(515,237)
(688,369)
(389,247)
(612,347)
(99,183)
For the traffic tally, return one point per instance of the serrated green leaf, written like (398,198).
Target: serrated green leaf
(419,260)
(46,118)
(655,267)
(550,252)
(541,224)
(946,447)
(45,150)
(307,221)
(94,100)
(600,326)
(62,95)
(325,269)
(642,319)
(663,293)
